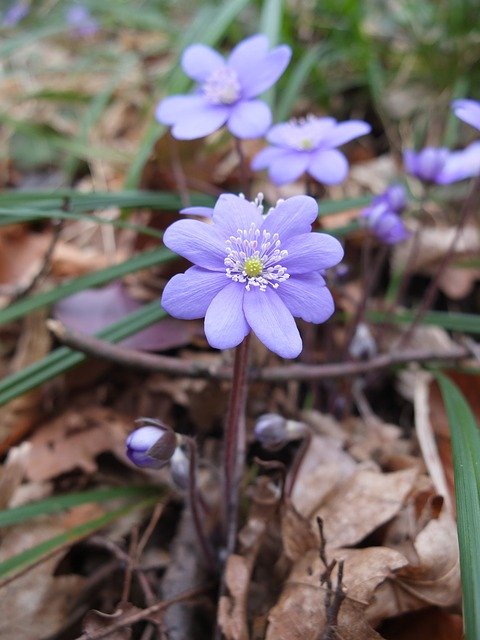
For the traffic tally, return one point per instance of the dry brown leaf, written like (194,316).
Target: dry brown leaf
(325,464)
(73,440)
(300,611)
(298,536)
(362,503)
(425,624)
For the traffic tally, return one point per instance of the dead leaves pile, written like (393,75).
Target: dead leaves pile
(383,522)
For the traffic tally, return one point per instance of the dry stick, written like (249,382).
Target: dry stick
(131,358)
(137,616)
(333,597)
(179,173)
(242,163)
(296,465)
(433,286)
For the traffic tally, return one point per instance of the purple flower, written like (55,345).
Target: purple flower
(468,111)
(15,13)
(308,145)
(78,17)
(227,90)
(152,445)
(382,216)
(441,166)
(253,272)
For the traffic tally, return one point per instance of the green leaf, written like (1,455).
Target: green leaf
(63,358)
(466,465)
(15,515)
(138,262)
(23,560)
(270,23)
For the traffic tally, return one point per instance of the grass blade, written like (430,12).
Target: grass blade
(466,463)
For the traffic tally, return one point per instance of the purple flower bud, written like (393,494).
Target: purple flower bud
(468,111)
(78,17)
(426,164)
(180,468)
(395,197)
(382,218)
(15,13)
(152,445)
(274,432)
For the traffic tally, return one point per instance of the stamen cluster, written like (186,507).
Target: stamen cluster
(222,86)
(253,257)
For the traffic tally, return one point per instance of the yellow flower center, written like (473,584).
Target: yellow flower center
(253,267)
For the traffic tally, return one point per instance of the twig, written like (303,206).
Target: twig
(98,348)
(243,167)
(137,616)
(333,597)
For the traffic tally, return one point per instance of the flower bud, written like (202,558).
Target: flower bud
(152,445)
(274,432)
(180,468)
(363,345)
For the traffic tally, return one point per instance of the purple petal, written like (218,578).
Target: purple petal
(328,167)
(272,322)
(225,323)
(245,57)
(233,212)
(197,241)
(187,295)
(204,212)
(171,109)
(307,297)
(292,217)
(311,252)
(461,165)
(202,122)
(468,111)
(263,159)
(344,132)
(249,119)
(289,166)
(265,72)
(199,61)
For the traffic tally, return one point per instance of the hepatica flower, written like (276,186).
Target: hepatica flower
(253,272)
(308,145)
(438,165)
(227,90)
(81,21)
(15,13)
(468,111)
(382,217)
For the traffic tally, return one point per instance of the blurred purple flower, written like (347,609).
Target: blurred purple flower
(152,445)
(81,21)
(438,165)
(227,90)
(15,13)
(308,145)
(382,216)
(253,272)
(468,111)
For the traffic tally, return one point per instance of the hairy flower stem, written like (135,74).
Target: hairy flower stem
(243,167)
(234,444)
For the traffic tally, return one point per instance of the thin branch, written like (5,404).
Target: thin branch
(131,358)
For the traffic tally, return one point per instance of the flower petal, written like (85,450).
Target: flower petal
(266,156)
(225,323)
(344,132)
(249,119)
(198,242)
(291,217)
(460,165)
(289,166)
(199,60)
(310,252)
(245,57)
(290,134)
(328,167)
(265,72)
(272,322)
(203,212)
(468,111)
(173,108)
(188,295)
(201,122)
(307,297)
(233,212)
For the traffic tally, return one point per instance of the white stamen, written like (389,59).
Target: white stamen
(222,86)
(249,245)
